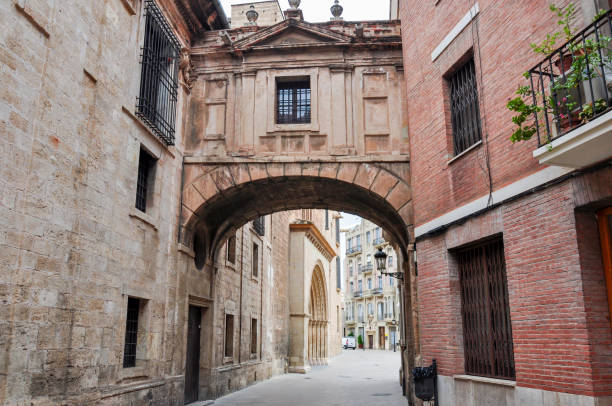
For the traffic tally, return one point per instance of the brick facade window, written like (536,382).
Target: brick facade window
(465,113)
(144,183)
(485,311)
(156,104)
(293,101)
(259,225)
(131,333)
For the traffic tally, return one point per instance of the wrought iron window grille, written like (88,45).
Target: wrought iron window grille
(485,310)
(465,112)
(564,107)
(156,104)
(293,102)
(131,333)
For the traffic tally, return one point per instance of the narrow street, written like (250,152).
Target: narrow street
(353,378)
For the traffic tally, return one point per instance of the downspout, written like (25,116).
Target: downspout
(241,287)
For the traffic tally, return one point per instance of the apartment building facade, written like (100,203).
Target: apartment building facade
(512,239)
(371,300)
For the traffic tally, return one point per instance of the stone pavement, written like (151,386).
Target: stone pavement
(354,378)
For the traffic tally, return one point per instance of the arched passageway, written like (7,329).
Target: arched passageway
(218,199)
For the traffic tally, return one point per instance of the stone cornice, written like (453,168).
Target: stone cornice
(316,238)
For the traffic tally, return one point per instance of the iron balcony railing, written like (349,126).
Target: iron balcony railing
(358,293)
(572,85)
(353,250)
(379,241)
(377,291)
(366,268)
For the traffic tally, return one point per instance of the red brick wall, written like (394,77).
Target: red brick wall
(504,31)
(560,323)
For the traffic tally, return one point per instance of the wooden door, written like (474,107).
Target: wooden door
(192,366)
(381,338)
(604,218)
(370,341)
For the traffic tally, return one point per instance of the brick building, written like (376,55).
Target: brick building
(512,240)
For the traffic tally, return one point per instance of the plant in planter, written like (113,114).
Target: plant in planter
(590,109)
(586,58)
(360,341)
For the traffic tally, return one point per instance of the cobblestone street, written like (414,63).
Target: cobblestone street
(353,378)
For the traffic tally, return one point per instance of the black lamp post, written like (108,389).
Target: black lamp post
(381,265)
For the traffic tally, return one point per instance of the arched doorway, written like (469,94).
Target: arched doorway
(317,325)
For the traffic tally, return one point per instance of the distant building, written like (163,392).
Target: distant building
(269,12)
(371,301)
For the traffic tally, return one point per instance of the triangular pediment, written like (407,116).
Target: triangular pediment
(291,32)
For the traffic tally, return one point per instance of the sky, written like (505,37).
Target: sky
(318,10)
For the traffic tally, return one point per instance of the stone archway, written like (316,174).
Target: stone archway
(317,324)
(218,198)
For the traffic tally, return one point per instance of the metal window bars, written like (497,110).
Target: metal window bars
(293,102)
(156,104)
(572,85)
(485,311)
(465,112)
(131,333)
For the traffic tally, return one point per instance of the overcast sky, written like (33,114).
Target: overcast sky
(318,10)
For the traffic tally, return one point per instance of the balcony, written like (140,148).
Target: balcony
(353,250)
(571,91)
(349,321)
(366,268)
(379,241)
(358,293)
(377,291)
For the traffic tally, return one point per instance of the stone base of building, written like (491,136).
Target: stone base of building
(299,369)
(468,390)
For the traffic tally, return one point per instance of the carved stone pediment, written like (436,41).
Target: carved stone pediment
(291,32)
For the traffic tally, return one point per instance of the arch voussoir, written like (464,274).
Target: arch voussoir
(223,178)
(293,169)
(275,169)
(206,186)
(258,171)
(347,172)
(400,195)
(385,182)
(192,198)
(310,169)
(366,175)
(329,170)
(240,173)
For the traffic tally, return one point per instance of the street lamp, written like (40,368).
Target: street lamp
(381,265)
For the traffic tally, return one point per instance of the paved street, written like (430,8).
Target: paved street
(353,378)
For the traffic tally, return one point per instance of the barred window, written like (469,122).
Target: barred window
(231,249)
(131,333)
(255,264)
(146,163)
(485,311)
(293,101)
(259,225)
(156,103)
(465,113)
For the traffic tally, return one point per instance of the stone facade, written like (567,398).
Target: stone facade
(544,216)
(371,301)
(270,13)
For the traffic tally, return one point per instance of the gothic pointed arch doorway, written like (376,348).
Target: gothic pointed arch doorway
(317,325)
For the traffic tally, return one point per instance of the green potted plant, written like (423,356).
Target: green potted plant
(582,62)
(360,341)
